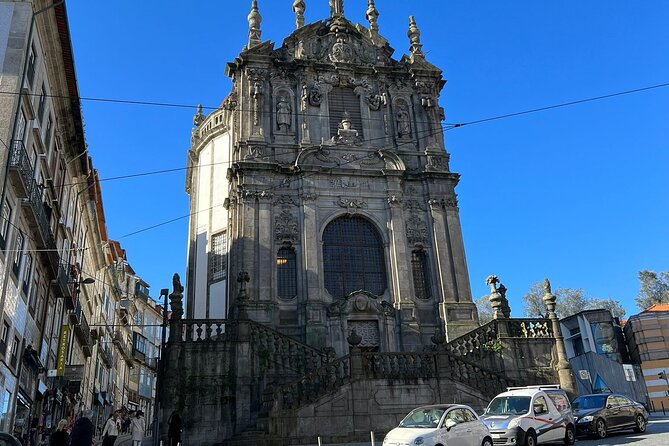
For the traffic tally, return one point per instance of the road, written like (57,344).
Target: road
(657,434)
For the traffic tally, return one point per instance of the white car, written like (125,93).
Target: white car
(440,425)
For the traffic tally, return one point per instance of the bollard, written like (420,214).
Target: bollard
(371,434)
(319,441)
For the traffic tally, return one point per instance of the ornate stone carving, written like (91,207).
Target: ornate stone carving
(414,205)
(416,47)
(199,116)
(255,20)
(286,200)
(351,204)
(309,196)
(324,155)
(349,157)
(437,162)
(255,152)
(284,114)
(285,227)
(443,203)
(403,121)
(315,95)
(344,183)
(341,51)
(373,159)
(394,201)
(367,331)
(346,134)
(416,230)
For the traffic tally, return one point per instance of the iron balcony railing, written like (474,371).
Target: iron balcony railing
(65,287)
(22,171)
(83,333)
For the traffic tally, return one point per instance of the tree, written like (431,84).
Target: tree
(484,309)
(654,289)
(569,302)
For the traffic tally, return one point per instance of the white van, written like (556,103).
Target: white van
(527,416)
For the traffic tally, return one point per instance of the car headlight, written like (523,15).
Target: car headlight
(586,419)
(418,440)
(514,423)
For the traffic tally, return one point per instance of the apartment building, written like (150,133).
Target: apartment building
(647,335)
(65,334)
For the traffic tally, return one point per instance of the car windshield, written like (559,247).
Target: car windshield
(423,417)
(509,405)
(589,402)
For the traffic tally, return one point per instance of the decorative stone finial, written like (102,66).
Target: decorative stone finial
(416,47)
(176,298)
(254,25)
(336,8)
(495,297)
(372,17)
(199,116)
(438,337)
(505,308)
(298,8)
(549,299)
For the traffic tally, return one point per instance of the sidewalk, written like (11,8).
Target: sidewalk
(124,440)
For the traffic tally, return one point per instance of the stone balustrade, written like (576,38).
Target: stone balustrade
(315,384)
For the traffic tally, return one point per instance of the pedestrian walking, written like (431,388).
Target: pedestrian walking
(174,429)
(82,430)
(60,437)
(137,428)
(110,431)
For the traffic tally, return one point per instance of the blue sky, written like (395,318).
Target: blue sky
(577,194)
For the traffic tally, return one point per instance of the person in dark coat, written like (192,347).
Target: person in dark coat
(174,429)
(83,430)
(60,437)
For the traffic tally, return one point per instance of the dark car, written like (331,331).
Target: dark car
(8,440)
(601,413)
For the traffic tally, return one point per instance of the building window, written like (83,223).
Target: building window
(18,256)
(421,283)
(286,273)
(15,351)
(21,127)
(32,63)
(48,134)
(42,104)
(218,257)
(27,274)
(4,224)
(4,413)
(4,337)
(353,257)
(344,100)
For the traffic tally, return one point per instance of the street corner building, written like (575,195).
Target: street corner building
(327,285)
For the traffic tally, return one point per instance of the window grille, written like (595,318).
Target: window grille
(421,283)
(353,257)
(286,273)
(218,257)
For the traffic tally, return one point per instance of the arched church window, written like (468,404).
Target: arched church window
(286,273)
(353,257)
(421,282)
(340,100)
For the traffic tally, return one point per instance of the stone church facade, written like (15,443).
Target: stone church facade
(324,177)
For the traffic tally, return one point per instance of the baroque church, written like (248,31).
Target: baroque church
(327,286)
(321,194)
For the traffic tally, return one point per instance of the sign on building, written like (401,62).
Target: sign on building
(629,372)
(62,349)
(584,374)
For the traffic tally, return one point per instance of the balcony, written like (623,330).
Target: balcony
(120,342)
(104,353)
(20,169)
(83,333)
(38,213)
(64,288)
(140,356)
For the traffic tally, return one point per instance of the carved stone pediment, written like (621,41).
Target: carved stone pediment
(349,44)
(360,303)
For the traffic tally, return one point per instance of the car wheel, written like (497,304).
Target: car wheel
(486,442)
(531,439)
(640,424)
(600,428)
(569,436)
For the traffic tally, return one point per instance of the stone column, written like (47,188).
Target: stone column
(565,373)
(443,255)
